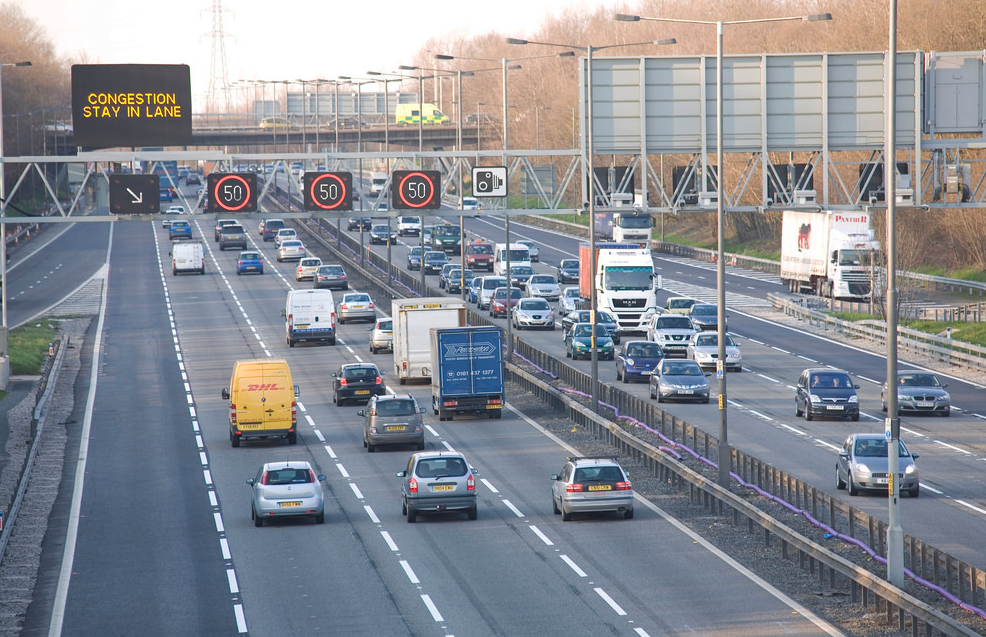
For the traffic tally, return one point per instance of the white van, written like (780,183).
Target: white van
(519,255)
(377,182)
(187,256)
(309,315)
(408,225)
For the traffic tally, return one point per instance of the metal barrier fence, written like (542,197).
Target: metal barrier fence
(958,578)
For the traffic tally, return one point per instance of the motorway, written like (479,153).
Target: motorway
(165,544)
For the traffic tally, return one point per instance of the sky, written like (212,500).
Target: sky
(267,40)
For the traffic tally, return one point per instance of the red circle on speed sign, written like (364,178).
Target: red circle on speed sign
(227,204)
(319,201)
(424,201)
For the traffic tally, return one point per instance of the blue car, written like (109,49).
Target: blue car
(414,258)
(472,289)
(637,359)
(250,261)
(166,194)
(179,230)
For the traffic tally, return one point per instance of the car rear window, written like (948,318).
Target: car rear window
(289,476)
(441,467)
(361,372)
(396,408)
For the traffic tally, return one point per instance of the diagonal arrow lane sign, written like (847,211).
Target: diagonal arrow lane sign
(137,198)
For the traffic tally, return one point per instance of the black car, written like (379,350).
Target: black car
(359,223)
(826,393)
(414,258)
(434,261)
(454,283)
(357,382)
(380,234)
(568,271)
(193,179)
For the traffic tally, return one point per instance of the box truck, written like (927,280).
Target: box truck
(413,318)
(624,226)
(828,253)
(625,283)
(466,371)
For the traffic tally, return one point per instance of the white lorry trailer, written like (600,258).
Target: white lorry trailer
(625,283)
(829,253)
(413,320)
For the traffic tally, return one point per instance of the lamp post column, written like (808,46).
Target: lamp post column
(590,176)
(725,461)
(506,217)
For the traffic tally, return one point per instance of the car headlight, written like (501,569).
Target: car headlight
(862,468)
(853,399)
(946,398)
(630,362)
(814,398)
(910,469)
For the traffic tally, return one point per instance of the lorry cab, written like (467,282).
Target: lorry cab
(519,255)
(262,401)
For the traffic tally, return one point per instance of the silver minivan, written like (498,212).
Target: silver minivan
(486,288)
(438,481)
(392,420)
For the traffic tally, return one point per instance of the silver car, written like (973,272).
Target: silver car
(672,332)
(533,313)
(704,350)
(291,250)
(679,380)
(532,249)
(356,306)
(392,420)
(437,481)
(568,302)
(863,464)
(590,485)
(287,489)
(544,286)
(382,335)
(920,392)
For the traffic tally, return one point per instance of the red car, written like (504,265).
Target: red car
(498,302)
(479,256)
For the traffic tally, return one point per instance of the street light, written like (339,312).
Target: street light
(506,217)
(588,160)
(3,225)
(724,453)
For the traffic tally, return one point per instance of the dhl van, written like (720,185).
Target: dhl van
(262,401)
(411,114)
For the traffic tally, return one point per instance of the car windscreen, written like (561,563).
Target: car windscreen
(674,322)
(542,278)
(534,304)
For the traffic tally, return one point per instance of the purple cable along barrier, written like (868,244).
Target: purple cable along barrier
(829,531)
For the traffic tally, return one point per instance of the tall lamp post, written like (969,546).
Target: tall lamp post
(506,128)
(3,225)
(587,171)
(723,450)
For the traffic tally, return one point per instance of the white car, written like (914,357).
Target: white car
(532,248)
(533,313)
(704,350)
(544,286)
(672,332)
(284,233)
(408,226)
(170,215)
(307,268)
(470,203)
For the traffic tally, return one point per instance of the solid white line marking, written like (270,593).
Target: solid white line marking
(432,608)
(953,447)
(409,572)
(768,378)
(609,600)
(544,538)
(966,504)
(572,565)
(390,542)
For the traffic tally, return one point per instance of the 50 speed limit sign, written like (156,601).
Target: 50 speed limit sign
(328,191)
(416,190)
(232,192)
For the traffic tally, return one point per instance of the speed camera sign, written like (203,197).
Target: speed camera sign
(489,181)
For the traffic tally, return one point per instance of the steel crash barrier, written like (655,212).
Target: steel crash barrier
(559,384)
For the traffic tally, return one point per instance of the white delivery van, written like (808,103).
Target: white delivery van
(187,256)
(377,182)
(519,255)
(413,320)
(309,315)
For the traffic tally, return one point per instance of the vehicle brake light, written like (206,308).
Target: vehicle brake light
(412,486)
(470,483)
(371,305)
(379,381)
(239,262)
(232,413)
(294,412)
(290,320)
(342,306)
(623,486)
(264,479)
(574,488)
(342,382)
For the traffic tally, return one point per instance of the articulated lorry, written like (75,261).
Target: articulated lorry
(467,371)
(413,318)
(625,283)
(829,253)
(631,225)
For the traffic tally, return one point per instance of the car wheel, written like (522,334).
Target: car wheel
(234,439)
(706,401)
(565,515)
(808,415)
(855,417)
(257,520)
(628,514)
(915,492)
(403,506)
(473,512)
(660,396)
(852,486)
(290,343)
(652,394)
(421,446)
(840,484)
(554,506)
(883,406)
(320,518)
(797,410)
(412,515)
(618,376)
(369,448)
(947,413)
(293,438)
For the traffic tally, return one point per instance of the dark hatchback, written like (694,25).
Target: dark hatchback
(357,382)
(568,271)
(826,393)
(637,359)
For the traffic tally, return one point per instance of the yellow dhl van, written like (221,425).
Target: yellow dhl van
(411,114)
(262,401)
